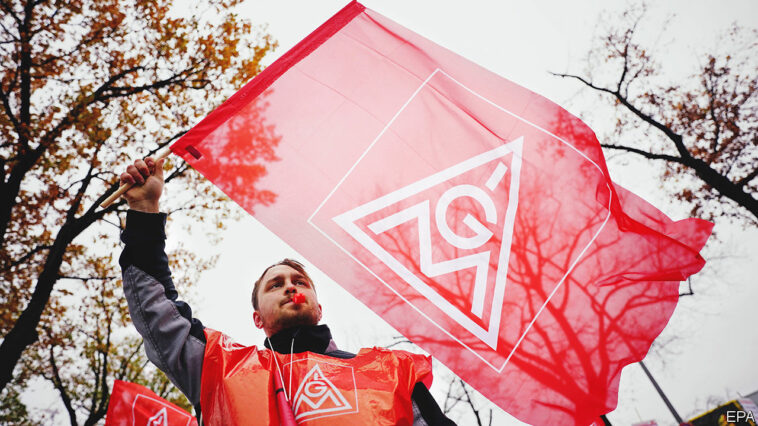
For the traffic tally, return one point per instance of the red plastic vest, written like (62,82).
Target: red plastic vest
(373,388)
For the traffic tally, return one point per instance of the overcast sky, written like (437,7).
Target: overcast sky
(713,339)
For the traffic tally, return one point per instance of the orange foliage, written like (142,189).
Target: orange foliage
(85,87)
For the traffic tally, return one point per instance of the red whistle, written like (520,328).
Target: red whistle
(298,298)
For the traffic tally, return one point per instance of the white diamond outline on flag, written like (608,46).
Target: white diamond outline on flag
(347,222)
(327,412)
(421,312)
(163,403)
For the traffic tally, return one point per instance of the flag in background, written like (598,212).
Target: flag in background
(131,404)
(476,217)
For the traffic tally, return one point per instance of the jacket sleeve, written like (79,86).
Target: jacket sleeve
(425,408)
(174,340)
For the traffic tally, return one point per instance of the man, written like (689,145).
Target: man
(232,384)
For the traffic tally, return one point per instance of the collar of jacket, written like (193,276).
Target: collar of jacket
(313,338)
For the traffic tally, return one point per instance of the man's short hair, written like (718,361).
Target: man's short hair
(294,264)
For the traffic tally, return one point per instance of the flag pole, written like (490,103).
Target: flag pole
(660,392)
(286,416)
(121,190)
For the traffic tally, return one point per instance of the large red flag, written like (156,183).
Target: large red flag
(132,404)
(475,216)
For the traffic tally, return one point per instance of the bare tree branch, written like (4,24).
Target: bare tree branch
(744,181)
(644,153)
(61,389)
(689,292)
(27,256)
(673,136)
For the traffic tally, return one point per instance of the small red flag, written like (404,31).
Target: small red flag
(476,217)
(132,404)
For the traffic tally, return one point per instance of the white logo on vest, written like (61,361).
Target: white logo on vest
(318,397)
(158,419)
(163,413)
(228,344)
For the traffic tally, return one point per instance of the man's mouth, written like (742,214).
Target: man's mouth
(297,299)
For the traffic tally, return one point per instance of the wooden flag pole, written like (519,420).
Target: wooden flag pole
(115,196)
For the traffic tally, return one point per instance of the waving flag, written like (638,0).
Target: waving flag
(473,215)
(132,404)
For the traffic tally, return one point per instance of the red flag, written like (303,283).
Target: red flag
(473,215)
(132,404)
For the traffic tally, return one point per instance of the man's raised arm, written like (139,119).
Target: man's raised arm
(174,341)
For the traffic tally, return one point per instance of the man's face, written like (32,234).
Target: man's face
(276,310)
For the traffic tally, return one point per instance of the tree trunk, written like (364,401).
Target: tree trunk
(24,331)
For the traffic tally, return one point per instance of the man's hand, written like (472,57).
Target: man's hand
(147,177)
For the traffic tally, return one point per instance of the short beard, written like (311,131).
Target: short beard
(297,319)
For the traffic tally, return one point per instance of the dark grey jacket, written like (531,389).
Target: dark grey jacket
(174,339)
